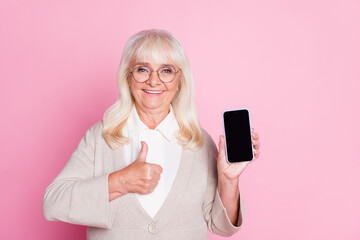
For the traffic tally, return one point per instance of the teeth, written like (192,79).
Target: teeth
(153,92)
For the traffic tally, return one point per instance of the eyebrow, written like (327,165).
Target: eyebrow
(147,64)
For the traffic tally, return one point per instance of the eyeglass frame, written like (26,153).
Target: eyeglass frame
(157,71)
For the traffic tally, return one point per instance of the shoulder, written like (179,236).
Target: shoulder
(209,144)
(208,141)
(209,152)
(94,133)
(97,128)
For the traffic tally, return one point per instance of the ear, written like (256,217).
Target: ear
(128,77)
(178,89)
(180,82)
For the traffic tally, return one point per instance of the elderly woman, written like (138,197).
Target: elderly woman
(148,171)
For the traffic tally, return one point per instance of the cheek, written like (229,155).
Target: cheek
(175,87)
(173,93)
(133,88)
(134,93)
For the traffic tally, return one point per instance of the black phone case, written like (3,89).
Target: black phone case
(237,132)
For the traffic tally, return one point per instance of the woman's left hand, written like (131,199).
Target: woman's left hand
(228,178)
(232,171)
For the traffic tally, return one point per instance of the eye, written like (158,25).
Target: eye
(166,71)
(141,70)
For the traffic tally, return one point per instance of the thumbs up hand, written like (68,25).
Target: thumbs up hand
(139,177)
(143,177)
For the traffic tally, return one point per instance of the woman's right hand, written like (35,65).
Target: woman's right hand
(139,177)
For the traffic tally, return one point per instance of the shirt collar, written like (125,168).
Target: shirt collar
(166,127)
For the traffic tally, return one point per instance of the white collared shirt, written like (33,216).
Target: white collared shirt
(163,149)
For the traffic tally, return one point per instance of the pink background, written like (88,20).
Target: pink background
(294,64)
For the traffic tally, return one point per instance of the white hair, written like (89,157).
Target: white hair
(160,46)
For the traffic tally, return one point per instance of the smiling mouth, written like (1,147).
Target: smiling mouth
(153,92)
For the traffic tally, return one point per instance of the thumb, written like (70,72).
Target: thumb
(222,152)
(143,152)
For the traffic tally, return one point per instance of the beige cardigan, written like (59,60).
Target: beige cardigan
(79,195)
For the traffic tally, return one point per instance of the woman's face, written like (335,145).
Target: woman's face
(154,95)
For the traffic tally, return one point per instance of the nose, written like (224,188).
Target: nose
(154,79)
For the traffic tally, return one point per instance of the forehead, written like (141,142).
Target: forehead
(153,62)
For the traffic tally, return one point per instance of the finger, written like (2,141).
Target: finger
(155,177)
(141,189)
(143,152)
(254,135)
(156,168)
(150,186)
(221,147)
(256,153)
(256,144)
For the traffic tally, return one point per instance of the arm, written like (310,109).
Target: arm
(223,206)
(230,197)
(228,178)
(77,195)
(215,213)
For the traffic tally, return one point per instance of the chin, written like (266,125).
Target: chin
(153,106)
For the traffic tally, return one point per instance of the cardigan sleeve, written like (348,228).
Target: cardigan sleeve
(76,195)
(214,211)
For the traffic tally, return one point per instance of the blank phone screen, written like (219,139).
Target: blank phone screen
(238,136)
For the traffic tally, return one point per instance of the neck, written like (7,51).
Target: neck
(151,118)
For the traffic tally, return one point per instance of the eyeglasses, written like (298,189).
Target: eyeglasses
(166,74)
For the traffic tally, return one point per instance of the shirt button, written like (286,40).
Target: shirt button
(152,227)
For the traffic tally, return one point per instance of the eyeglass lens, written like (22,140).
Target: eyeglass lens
(142,73)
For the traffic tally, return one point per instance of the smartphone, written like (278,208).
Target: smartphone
(237,132)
